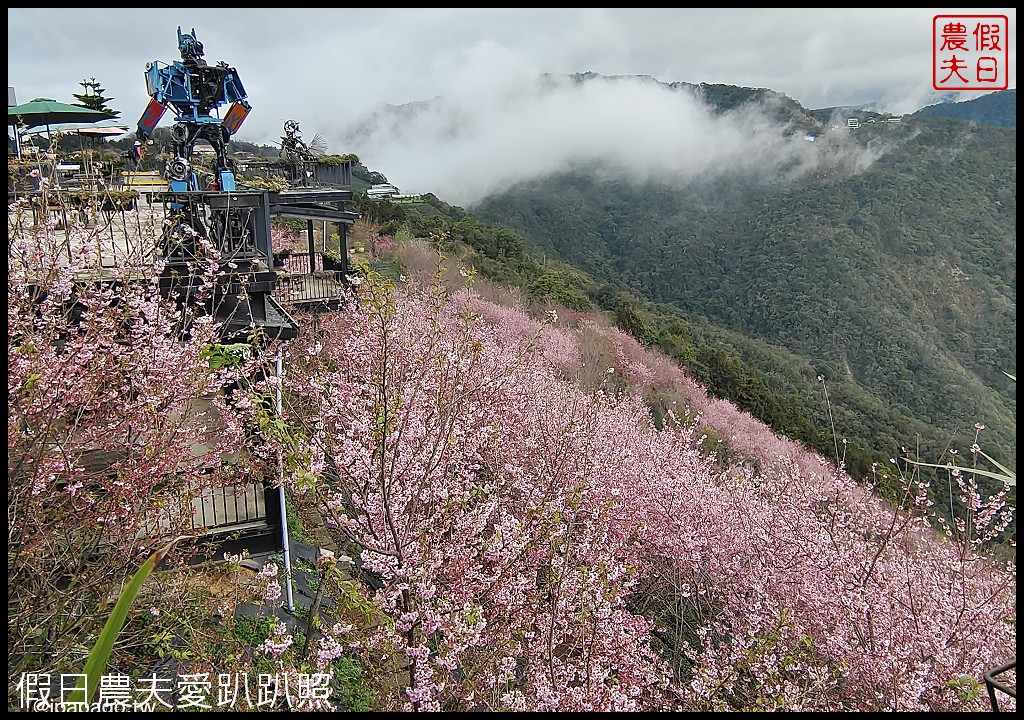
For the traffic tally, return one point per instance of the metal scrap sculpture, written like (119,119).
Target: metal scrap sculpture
(194,90)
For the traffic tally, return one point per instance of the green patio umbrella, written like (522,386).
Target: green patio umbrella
(46,112)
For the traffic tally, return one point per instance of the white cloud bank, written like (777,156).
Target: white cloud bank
(464,147)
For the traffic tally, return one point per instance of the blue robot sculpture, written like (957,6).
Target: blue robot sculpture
(195,90)
(215,216)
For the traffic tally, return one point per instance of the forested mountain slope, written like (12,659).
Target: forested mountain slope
(996,108)
(895,280)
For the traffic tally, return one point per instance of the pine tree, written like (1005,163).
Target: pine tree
(92,97)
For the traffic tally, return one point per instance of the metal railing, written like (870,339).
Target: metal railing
(994,684)
(107,234)
(306,174)
(301,283)
(227,507)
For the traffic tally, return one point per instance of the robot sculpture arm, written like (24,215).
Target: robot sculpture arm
(194,89)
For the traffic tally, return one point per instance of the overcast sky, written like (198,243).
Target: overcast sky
(331,70)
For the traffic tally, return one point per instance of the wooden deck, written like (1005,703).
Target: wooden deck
(108,238)
(131,238)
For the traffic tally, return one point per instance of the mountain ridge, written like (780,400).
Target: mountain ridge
(888,207)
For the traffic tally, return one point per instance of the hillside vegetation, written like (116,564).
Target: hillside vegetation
(596,445)
(895,282)
(996,108)
(536,537)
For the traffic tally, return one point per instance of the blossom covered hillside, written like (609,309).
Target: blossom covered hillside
(542,514)
(545,546)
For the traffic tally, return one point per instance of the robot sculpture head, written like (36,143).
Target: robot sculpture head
(190,47)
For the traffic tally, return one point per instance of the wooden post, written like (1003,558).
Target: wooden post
(311,246)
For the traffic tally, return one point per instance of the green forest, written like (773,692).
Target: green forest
(896,284)
(893,288)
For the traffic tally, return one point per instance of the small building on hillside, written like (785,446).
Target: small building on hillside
(383,190)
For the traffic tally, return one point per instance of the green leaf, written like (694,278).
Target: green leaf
(100,654)
(231,355)
(1007,476)
(1007,471)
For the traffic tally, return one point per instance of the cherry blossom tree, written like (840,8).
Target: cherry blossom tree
(534,541)
(115,425)
(463,472)
(541,546)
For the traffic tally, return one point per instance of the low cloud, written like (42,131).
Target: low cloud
(494,125)
(465,147)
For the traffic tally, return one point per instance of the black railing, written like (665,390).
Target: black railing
(994,684)
(225,508)
(234,222)
(299,264)
(301,283)
(304,174)
(245,518)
